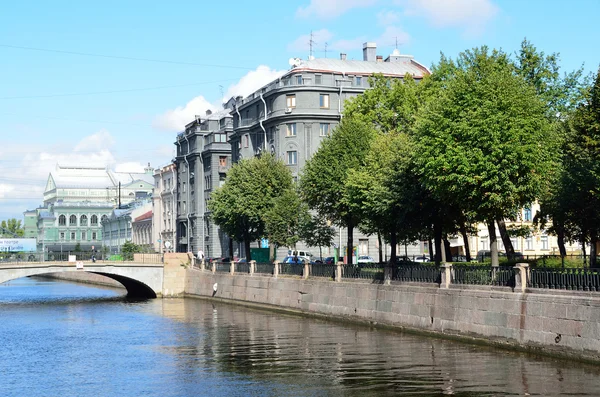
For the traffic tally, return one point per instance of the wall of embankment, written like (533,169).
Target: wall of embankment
(544,321)
(85,278)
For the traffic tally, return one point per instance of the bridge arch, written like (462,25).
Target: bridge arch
(140,281)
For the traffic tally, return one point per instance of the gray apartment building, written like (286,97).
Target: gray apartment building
(203,159)
(291,115)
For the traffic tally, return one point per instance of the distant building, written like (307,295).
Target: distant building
(30,224)
(77,200)
(164,200)
(132,223)
(202,162)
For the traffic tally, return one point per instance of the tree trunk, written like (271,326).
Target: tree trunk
(447,250)
(380,247)
(493,242)
(247,249)
(437,236)
(463,232)
(593,249)
(230,248)
(583,251)
(431,252)
(561,241)
(393,245)
(350,241)
(508,247)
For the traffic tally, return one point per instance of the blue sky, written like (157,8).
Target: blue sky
(112,82)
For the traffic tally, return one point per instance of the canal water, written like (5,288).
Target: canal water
(63,339)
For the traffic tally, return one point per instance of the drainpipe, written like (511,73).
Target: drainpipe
(173,218)
(237,110)
(188,193)
(340,97)
(265,119)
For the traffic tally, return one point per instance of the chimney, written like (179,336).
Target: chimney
(379,58)
(342,56)
(208,112)
(369,52)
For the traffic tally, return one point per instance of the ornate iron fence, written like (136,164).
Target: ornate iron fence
(575,279)
(242,267)
(417,273)
(367,271)
(223,267)
(322,270)
(483,275)
(291,269)
(264,268)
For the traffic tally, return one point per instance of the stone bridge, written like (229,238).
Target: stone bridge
(142,280)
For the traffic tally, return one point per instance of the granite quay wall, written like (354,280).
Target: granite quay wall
(549,322)
(85,278)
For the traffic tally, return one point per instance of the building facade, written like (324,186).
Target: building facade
(202,162)
(163,210)
(78,199)
(290,116)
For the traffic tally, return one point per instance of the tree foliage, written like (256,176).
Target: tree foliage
(11,227)
(250,189)
(485,141)
(323,183)
(128,249)
(285,218)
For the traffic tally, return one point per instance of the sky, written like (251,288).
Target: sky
(111,82)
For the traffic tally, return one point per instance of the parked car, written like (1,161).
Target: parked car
(294,260)
(459,258)
(365,259)
(241,260)
(330,260)
(421,259)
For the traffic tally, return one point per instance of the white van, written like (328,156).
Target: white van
(300,254)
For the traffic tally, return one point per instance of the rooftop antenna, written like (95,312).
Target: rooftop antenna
(311,42)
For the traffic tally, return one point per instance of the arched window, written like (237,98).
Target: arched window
(94,220)
(62,220)
(104,218)
(72,220)
(83,220)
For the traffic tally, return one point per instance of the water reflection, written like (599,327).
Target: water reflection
(72,340)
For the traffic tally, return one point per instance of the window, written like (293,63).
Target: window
(246,140)
(62,220)
(363,247)
(62,236)
(358,81)
(220,138)
(104,219)
(324,101)
(485,244)
(290,101)
(529,243)
(222,179)
(318,79)
(515,243)
(291,129)
(299,80)
(72,235)
(292,157)
(83,235)
(324,129)
(544,240)
(223,161)
(94,235)
(527,214)
(183,191)
(83,220)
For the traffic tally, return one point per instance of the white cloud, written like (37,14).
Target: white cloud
(175,120)
(471,15)
(302,43)
(391,35)
(327,9)
(388,17)
(131,166)
(252,81)
(101,140)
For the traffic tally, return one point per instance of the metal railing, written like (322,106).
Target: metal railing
(322,270)
(366,271)
(483,275)
(36,257)
(264,268)
(579,279)
(242,267)
(417,273)
(291,269)
(222,267)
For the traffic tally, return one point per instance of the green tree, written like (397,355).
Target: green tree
(316,232)
(128,249)
(249,191)
(323,183)
(485,141)
(11,228)
(284,219)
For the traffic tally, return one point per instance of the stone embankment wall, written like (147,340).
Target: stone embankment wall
(85,278)
(564,324)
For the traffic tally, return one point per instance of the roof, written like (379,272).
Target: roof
(95,177)
(405,64)
(143,217)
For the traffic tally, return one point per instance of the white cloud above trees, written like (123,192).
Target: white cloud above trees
(328,9)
